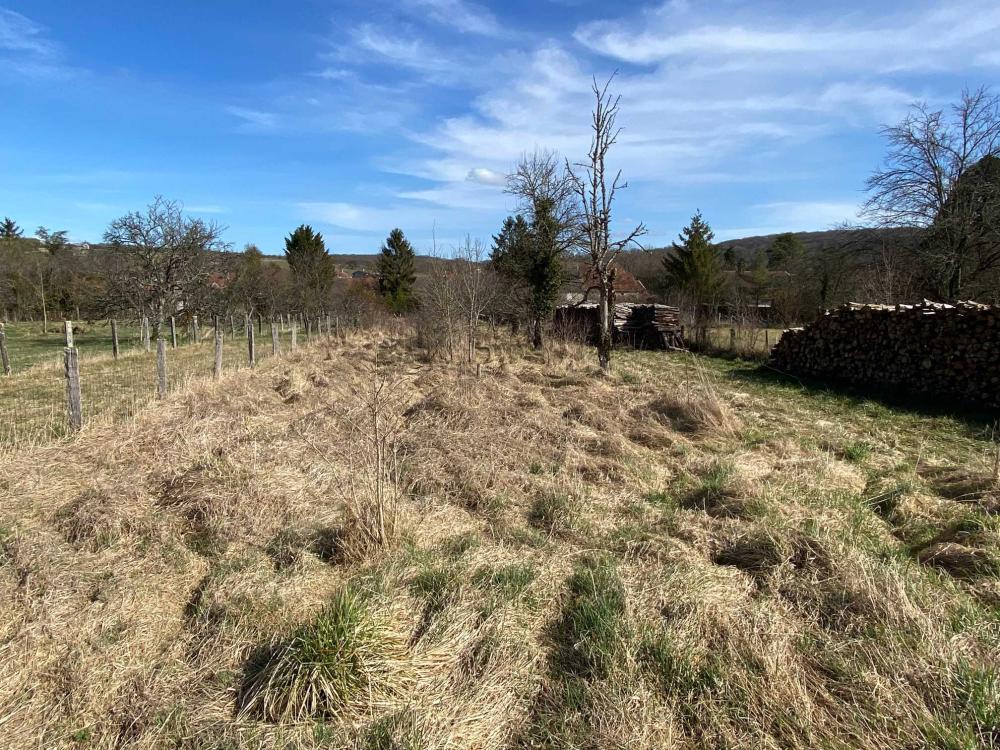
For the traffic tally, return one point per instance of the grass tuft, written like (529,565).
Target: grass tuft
(328,666)
(552,513)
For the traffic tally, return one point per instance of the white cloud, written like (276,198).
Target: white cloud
(205,209)
(708,96)
(27,52)
(20,34)
(485,176)
(460,15)
(411,52)
(254,119)
(920,38)
(795,216)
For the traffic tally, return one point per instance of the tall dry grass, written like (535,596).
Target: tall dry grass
(355,548)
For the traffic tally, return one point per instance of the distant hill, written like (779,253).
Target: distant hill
(355,262)
(862,244)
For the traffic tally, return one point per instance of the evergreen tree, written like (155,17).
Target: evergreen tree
(531,255)
(52,241)
(510,247)
(786,252)
(396,271)
(311,266)
(695,269)
(760,276)
(9,230)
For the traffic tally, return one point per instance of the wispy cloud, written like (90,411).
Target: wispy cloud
(459,15)
(20,34)
(928,36)
(26,51)
(410,52)
(254,119)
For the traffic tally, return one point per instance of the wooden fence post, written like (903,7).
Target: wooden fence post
(329,328)
(145,333)
(194,329)
(73,398)
(767,339)
(68,333)
(275,347)
(4,357)
(251,345)
(173,333)
(732,339)
(295,335)
(232,325)
(114,339)
(161,367)
(217,372)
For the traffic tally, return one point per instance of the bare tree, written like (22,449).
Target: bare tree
(439,319)
(476,288)
(159,258)
(942,175)
(597,198)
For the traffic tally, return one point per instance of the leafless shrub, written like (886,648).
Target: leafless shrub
(371,424)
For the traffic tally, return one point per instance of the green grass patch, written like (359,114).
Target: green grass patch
(856,452)
(594,626)
(339,659)
(438,585)
(507,583)
(552,513)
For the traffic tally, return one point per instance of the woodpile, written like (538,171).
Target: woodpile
(643,326)
(930,349)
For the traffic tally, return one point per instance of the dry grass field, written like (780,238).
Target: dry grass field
(352,548)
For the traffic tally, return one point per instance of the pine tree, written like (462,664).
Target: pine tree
(510,247)
(695,269)
(786,252)
(311,265)
(9,230)
(760,276)
(396,271)
(531,255)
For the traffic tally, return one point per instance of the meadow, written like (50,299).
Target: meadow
(353,547)
(33,399)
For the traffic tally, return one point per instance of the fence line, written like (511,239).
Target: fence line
(51,399)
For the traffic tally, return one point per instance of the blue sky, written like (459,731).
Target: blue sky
(358,117)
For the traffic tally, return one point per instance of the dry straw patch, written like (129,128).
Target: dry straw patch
(353,548)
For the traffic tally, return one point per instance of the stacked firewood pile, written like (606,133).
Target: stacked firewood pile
(933,349)
(643,326)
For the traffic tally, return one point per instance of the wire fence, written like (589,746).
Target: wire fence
(35,401)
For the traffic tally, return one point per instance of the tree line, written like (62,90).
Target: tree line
(933,229)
